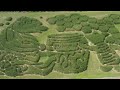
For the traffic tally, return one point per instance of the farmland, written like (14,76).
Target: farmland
(44,45)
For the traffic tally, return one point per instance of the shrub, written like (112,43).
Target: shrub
(110,40)
(9,19)
(67,19)
(113,30)
(84,18)
(51,20)
(114,16)
(106,68)
(1,24)
(103,28)
(105,34)
(101,22)
(92,20)
(7,23)
(117,68)
(96,38)
(75,16)
(27,25)
(60,17)
(87,29)
(76,21)
(60,22)
(61,28)
(13,71)
(94,26)
(68,24)
(77,27)
(42,47)
(41,17)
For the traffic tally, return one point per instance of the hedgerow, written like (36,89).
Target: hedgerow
(106,68)
(9,19)
(87,29)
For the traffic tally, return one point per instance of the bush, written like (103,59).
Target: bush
(117,68)
(101,22)
(60,22)
(1,24)
(13,71)
(94,26)
(92,20)
(103,28)
(27,25)
(87,29)
(96,38)
(110,40)
(68,24)
(67,19)
(75,16)
(51,20)
(60,17)
(76,21)
(84,18)
(114,16)
(9,19)
(77,27)
(106,68)
(7,23)
(42,47)
(113,30)
(61,28)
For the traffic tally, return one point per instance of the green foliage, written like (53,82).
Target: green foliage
(42,47)
(68,24)
(87,29)
(106,68)
(84,18)
(51,20)
(110,40)
(113,30)
(61,28)
(117,68)
(13,71)
(1,24)
(60,22)
(94,26)
(92,20)
(7,23)
(77,27)
(96,38)
(28,25)
(103,28)
(9,19)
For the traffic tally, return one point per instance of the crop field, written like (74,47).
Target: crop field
(60,45)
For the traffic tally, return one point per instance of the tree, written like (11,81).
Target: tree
(77,27)
(106,68)
(9,19)
(113,30)
(103,28)
(92,20)
(61,28)
(1,24)
(51,20)
(94,26)
(7,23)
(42,47)
(87,29)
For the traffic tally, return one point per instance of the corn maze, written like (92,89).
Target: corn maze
(67,51)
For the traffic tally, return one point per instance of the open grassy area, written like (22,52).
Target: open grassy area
(93,70)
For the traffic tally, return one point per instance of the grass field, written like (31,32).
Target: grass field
(93,66)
